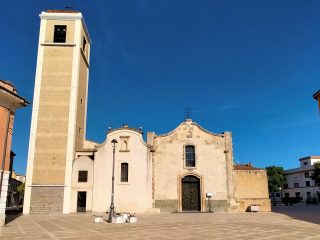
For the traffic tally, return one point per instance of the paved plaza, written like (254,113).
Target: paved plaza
(297,222)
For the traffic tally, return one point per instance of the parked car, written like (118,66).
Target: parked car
(291,200)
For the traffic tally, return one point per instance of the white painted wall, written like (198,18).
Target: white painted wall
(4,194)
(297,175)
(133,196)
(82,163)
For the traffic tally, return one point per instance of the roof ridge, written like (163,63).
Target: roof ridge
(62,11)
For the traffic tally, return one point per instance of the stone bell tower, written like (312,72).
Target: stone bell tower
(59,110)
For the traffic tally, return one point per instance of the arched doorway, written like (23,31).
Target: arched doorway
(191,193)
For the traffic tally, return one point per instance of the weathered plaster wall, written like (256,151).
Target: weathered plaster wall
(251,188)
(212,164)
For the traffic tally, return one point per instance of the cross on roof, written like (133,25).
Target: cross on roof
(188,112)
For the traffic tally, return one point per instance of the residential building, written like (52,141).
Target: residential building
(10,101)
(15,198)
(18,176)
(299,182)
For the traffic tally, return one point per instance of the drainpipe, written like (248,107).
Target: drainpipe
(4,150)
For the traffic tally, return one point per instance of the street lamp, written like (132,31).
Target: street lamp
(280,194)
(111,212)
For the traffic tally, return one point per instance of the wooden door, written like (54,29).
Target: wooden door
(191,194)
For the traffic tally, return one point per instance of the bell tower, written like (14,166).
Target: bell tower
(59,110)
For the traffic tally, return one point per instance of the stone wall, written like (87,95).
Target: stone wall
(53,117)
(213,165)
(81,103)
(217,205)
(251,188)
(46,200)
(167,205)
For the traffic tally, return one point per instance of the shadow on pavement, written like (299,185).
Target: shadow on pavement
(308,213)
(12,215)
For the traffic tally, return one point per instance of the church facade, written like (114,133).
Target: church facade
(196,162)
(173,172)
(187,169)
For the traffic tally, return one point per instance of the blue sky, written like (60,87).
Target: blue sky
(249,67)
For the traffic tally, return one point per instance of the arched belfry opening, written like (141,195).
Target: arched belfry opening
(191,200)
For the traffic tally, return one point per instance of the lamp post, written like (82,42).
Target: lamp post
(111,212)
(280,194)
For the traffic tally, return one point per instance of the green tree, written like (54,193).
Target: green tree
(275,178)
(316,173)
(20,188)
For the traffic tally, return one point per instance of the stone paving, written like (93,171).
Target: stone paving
(284,224)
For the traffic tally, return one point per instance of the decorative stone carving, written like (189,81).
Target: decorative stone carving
(189,134)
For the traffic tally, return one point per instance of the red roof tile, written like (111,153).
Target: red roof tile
(246,166)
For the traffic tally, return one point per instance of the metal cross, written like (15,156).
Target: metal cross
(188,112)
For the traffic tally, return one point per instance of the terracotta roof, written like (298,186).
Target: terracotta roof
(62,11)
(24,101)
(7,82)
(246,166)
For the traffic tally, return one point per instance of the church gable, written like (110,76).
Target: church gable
(190,152)
(132,171)
(189,132)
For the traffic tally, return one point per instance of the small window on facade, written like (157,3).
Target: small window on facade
(190,156)
(297,194)
(124,172)
(285,186)
(84,42)
(286,195)
(60,33)
(305,163)
(306,174)
(307,183)
(83,176)
(125,145)
(296,185)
